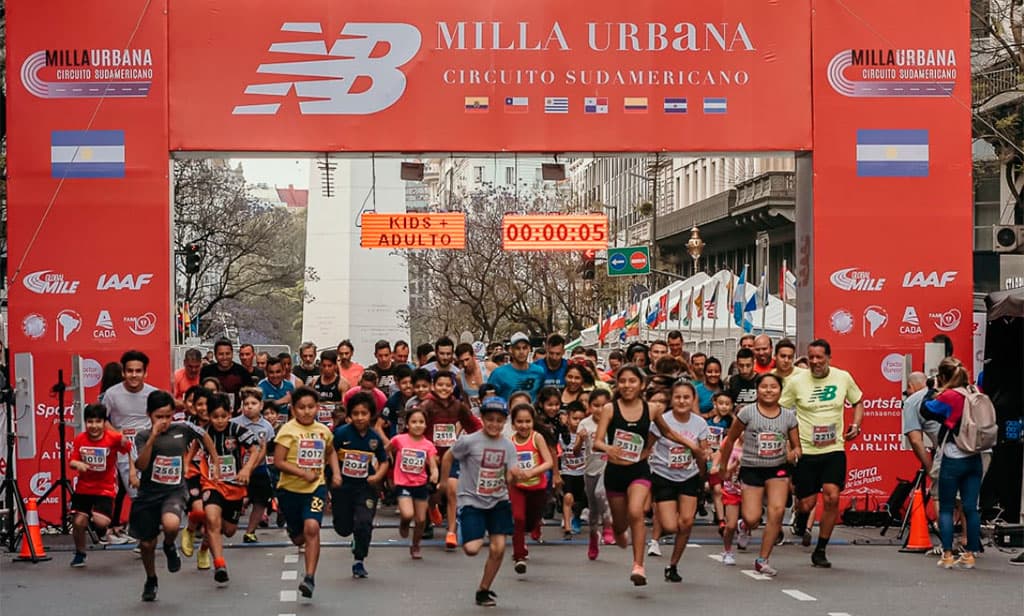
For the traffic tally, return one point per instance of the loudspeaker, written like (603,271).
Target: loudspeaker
(552,171)
(412,172)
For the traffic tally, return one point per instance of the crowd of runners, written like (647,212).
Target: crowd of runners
(472,449)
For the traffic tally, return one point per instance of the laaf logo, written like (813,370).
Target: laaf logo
(33,326)
(142,325)
(104,330)
(911,325)
(330,81)
(854,279)
(123,282)
(875,318)
(841,321)
(49,282)
(928,279)
(68,322)
(946,321)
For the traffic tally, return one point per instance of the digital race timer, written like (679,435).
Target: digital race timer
(555,232)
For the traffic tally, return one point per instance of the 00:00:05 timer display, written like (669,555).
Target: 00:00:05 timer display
(555,232)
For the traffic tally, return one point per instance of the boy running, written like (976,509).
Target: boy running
(261,489)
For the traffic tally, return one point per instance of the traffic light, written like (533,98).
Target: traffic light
(587,267)
(193,257)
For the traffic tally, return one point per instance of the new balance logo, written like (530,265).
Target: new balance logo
(330,81)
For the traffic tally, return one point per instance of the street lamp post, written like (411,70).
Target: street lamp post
(695,246)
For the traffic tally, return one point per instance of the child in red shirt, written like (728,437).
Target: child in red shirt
(94,456)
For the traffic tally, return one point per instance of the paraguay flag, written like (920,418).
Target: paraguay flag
(87,154)
(892,153)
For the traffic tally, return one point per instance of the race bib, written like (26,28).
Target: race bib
(129,433)
(356,464)
(680,457)
(166,470)
(227,468)
(490,482)
(631,443)
(413,461)
(525,460)
(770,444)
(715,434)
(444,435)
(310,453)
(823,436)
(95,457)
(325,414)
(572,463)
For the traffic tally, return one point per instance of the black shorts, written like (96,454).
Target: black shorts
(812,472)
(663,489)
(617,479)
(146,519)
(755,476)
(261,490)
(91,504)
(417,493)
(574,485)
(230,510)
(297,507)
(195,490)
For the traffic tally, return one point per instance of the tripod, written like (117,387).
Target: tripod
(13,513)
(64,484)
(919,484)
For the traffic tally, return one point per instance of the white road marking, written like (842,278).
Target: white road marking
(289,596)
(286,615)
(289,575)
(717,557)
(291,558)
(838,614)
(798,595)
(757,576)
(693,545)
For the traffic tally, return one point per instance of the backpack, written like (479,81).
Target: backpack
(978,428)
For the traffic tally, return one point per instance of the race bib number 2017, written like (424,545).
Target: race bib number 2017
(310,453)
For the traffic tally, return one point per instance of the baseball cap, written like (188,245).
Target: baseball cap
(493,404)
(518,337)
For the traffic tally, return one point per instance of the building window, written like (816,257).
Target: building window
(478,175)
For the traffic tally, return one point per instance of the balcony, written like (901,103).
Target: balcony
(771,188)
(995,87)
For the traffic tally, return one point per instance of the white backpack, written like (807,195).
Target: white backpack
(978,428)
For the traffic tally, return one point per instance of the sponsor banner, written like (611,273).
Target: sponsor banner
(891,149)
(88,218)
(469,76)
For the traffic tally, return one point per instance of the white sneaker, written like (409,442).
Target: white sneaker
(743,536)
(119,539)
(729,558)
(653,549)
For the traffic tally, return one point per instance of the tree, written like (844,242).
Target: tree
(253,256)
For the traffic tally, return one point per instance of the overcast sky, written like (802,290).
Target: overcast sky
(276,171)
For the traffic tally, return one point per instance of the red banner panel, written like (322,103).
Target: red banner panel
(533,75)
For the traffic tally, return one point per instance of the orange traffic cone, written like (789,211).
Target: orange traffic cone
(918,541)
(36,552)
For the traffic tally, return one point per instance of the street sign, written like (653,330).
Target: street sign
(629,261)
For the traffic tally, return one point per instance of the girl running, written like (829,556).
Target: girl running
(593,474)
(571,465)
(765,465)
(676,472)
(415,466)
(718,426)
(528,494)
(732,498)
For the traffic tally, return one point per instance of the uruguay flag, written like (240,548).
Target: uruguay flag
(896,153)
(87,154)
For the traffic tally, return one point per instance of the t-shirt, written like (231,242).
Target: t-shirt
(412,460)
(305,375)
(352,374)
(507,379)
(379,398)
(718,427)
(484,463)
(231,380)
(743,391)
(671,460)
(127,410)
(913,420)
(704,397)
(819,408)
(764,438)
(356,453)
(100,455)
(234,446)
(759,369)
(552,378)
(385,378)
(182,383)
(394,412)
(261,428)
(596,460)
(165,474)
(307,448)
(277,392)
(570,464)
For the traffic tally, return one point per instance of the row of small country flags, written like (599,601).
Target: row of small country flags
(595,104)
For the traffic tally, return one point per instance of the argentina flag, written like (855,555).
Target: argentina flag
(892,153)
(87,154)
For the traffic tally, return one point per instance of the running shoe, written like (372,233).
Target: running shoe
(451,541)
(567,535)
(403,529)
(729,558)
(593,550)
(743,537)
(306,586)
(149,590)
(428,530)
(250,538)
(637,576)
(520,567)
(966,561)
(805,540)
(536,536)
(414,552)
(653,549)
(818,559)
(188,540)
(435,516)
(608,536)
(761,566)
(485,598)
(947,561)
(1018,559)
(203,558)
(780,539)
(173,560)
(359,570)
(672,574)
(78,560)
(119,538)
(576,525)
(220,575)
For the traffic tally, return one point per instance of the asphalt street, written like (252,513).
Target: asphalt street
(864,580)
